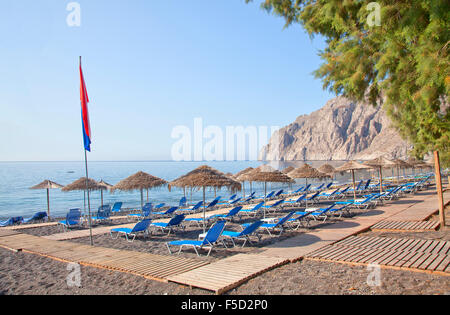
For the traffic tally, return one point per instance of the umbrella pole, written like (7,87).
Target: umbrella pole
(204,210)
(101,195)
(48,203)
(381,181)
(265,193)
(354,186)
(243,189)
(142,199)
(147,194)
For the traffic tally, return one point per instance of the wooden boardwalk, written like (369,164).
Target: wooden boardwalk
(150,266)
(398,253)
(228,273)
(405,226)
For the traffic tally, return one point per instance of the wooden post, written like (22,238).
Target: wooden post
(437,169)
(48,204)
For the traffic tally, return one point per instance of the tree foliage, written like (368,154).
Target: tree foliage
(403,61)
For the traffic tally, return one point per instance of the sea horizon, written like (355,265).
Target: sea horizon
(16,199)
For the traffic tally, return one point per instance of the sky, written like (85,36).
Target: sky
(149,66)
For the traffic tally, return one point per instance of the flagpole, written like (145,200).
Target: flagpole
(88,200)
(87,191)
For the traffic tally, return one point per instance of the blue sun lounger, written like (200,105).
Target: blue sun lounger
(169,211)
(318,187)
(253,210)
(244,234)
(358,203)
(73,218)
(191,209)
(103,214)
(210,239)
(182,202)
(301,219)
(313,197)
(296,201)
(299,190)
(175,222)
(273,226)
(140,227)
(341,194)
(146,212)
(117,206)
(317,214)
(11,221)
(233,212)
(274,206)
(329,195)
(39,216)
(232,197)
(213,203)
(250,197)
(340,211)
(278,193)
(366,186)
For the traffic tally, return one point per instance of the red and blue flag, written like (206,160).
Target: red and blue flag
(84,113)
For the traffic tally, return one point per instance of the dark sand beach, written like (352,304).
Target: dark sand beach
(23,273)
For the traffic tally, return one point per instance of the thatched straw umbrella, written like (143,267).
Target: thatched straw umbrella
(47,184)
(104,186)
(288,169)
(352,166)
(265,174)
(413,163)
(240,177)
(327,169)
(306,171)
(80,185)
(202,177)
(380,162)
(400,164)
(85,186)
(139,181)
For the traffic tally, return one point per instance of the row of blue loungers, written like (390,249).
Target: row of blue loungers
(250,232)
(36,218)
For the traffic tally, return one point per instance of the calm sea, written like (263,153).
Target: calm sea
(16,199)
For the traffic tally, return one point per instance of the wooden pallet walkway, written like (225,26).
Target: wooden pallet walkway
(150,266)
(430,256)
(405,226)
(228,273)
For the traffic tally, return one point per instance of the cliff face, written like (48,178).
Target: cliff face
(341,130)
